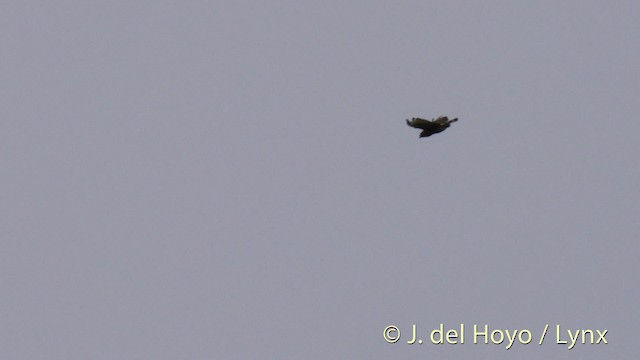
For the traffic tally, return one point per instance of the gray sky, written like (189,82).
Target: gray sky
(227,179)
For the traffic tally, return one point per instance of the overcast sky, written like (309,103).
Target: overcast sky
(235,179)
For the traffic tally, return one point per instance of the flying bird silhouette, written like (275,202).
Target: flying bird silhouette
(430,127)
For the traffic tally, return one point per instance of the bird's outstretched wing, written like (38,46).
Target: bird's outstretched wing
(422,124)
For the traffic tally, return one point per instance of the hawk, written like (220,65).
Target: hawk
(430,127)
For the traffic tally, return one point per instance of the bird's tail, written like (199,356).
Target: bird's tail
(453,120)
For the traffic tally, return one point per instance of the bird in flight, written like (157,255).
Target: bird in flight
(430,127)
